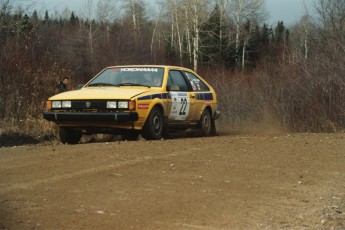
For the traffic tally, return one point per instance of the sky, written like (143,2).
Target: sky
(288,11)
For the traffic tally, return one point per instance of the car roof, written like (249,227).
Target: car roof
(150,66)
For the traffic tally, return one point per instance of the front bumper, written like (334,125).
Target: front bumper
(90,116)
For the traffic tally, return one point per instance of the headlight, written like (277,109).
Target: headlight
(66,104)
(61,104)
(56,104)
(123,104)
(111,105)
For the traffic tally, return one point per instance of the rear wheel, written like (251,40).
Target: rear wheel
(69,135)
(205,124)
(153,128)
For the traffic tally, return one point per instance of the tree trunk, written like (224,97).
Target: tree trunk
(179,39)
(196,40)
(154,32)
(135,22)
(238,24)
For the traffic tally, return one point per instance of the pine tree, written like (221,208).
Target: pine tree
(73,19)
(26,25)
(34,18)
(46,18)
(213,38)
(280,32)
(265,35)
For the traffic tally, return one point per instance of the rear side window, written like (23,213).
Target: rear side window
(196,83)
(176,78)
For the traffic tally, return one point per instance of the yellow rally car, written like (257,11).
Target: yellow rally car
(132,100)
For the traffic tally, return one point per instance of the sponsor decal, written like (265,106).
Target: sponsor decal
(143,106)
(180,106)
(139,70)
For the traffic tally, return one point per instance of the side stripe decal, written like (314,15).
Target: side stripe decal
(153,96)
(198,96)
(204,96)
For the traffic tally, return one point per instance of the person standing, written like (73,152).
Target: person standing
(63,85)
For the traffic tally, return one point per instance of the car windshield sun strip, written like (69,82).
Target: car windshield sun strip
(132,84)
(101,84)
(122,84)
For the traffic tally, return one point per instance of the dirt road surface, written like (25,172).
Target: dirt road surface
(285,181)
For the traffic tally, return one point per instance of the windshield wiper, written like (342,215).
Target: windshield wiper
(132,84)
(101,84)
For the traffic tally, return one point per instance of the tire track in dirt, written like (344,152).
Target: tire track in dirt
(99,169)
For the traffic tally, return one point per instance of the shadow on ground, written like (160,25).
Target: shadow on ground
(15,139)
(10,139)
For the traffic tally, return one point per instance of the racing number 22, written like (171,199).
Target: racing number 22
(184,106)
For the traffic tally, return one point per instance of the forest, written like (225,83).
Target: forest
(287,77)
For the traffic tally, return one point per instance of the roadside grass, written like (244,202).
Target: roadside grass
(28,131)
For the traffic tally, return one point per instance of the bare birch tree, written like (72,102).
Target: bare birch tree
(88,15)
(196,15)
(135,9)
(107,13)
(245,11)
(154,31)
(224,6)
(175,20)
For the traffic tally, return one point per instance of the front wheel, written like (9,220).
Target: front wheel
(69,135)
(153,128)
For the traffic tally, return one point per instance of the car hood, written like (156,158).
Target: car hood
(99,93)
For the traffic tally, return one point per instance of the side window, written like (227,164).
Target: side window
(196,83)
(176,78)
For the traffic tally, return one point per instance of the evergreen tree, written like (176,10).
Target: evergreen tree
(46,18)
(34,18)
(213,38)
(280,32)
(265,35)
(26,25)
(255,43)
(73,19)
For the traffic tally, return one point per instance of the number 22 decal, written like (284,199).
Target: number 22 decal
(184,104)
(180,106)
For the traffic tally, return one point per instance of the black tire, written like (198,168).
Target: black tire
(153,128)
(213,129)
(69,135)
(130,136)
(205,124)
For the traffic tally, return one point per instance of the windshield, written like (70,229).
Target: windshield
(129,76)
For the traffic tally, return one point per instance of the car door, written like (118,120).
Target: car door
(182,101)
(201,94)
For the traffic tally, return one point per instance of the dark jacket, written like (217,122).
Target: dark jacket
(61,87)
